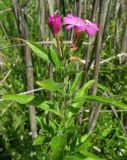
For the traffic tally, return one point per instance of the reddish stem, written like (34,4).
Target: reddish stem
(58,45)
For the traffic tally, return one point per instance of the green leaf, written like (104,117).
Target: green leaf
(104,100)
(57,145)
(84,90)
(39,140)
(70,69)
(102,87)
(85,137)
(39,51)
(91,156)
(55,58)
(53,125)
(75,83)
(85,143)
(22,99)
(72,158)
(81,93)
(50,84)
(45,106)
(106,131)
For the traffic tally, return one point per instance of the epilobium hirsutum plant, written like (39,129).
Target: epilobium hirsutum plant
(61,136)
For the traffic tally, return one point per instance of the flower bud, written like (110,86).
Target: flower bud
(54,23)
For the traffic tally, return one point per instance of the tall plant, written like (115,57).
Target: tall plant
(62,136)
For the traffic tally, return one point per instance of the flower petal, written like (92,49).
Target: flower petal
(69,27)
(67,20)
(91,29)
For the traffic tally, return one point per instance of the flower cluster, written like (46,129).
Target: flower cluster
(78,24)
(71,22)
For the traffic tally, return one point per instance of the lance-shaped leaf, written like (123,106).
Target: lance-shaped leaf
(75,83)
(50,84)
(81,93)
(72,158)
(57,145)
(55,58)
(39,51)
(22,99)
(84,90)
(104,100)
(91,156)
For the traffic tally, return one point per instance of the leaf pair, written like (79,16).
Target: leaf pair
(80,97)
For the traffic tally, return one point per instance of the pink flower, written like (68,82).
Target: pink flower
(54,23)
(80,25)
(90,28)
(72,21)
